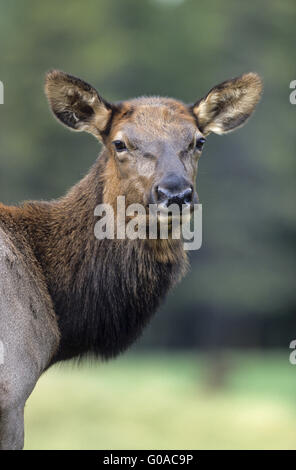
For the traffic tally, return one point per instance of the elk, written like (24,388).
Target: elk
(65,294)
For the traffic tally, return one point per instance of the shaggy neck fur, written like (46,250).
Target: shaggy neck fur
(104,291)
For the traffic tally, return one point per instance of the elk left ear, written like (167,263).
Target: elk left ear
(76,103)
(228,105)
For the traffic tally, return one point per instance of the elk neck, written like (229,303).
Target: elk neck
(104,291)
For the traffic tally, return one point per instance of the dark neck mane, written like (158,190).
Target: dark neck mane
(104,291)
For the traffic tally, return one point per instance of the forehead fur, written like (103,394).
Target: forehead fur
(154,114)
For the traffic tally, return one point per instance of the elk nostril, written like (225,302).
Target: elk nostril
(187,196)
(161,194)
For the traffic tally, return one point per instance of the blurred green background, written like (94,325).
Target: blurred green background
(212,370)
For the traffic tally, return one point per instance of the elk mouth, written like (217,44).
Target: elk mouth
(158,221)
(164,213)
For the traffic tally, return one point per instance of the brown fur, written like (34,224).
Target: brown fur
(76,266)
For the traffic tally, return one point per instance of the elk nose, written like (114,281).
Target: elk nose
(167,197)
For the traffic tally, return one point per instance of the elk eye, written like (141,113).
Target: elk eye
(200,143)
(119,145)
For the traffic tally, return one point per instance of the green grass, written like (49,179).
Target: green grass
(166,402)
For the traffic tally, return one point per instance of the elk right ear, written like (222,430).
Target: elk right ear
(77,104)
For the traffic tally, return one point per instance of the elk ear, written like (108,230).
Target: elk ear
(228,105)
(76,103)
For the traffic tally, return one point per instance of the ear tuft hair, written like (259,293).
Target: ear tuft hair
(227,106)
(76,103)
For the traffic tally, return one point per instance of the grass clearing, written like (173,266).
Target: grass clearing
(159,401)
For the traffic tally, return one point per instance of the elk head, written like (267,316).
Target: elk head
(153,143)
